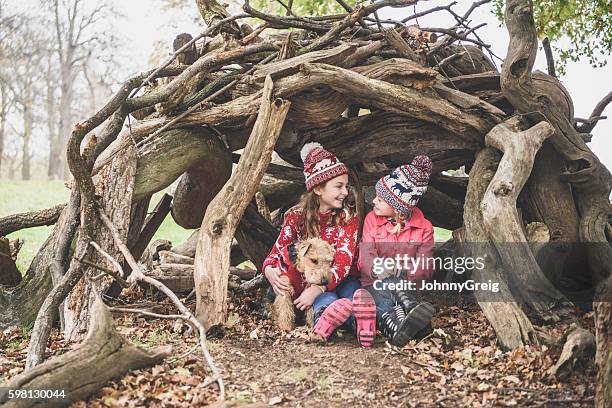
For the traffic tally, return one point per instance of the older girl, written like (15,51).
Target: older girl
(322,213)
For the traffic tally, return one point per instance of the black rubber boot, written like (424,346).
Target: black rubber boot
(424,332)
(400,327)
(405,299)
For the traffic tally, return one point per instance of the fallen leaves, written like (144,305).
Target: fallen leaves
(458,365)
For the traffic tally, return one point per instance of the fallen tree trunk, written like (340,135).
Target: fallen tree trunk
(224,212)
(81,372)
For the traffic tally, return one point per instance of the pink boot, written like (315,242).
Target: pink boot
(333,317)
(365,317)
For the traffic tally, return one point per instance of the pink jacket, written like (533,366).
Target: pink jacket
(415,240)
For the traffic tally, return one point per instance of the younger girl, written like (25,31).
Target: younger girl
(322,213)
(397,227)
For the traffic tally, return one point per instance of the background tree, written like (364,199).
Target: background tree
(81,29)
(586,24)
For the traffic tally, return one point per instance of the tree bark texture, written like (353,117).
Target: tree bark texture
(501,218)
(511,325)
(224,212)
(115,187)
(200,183)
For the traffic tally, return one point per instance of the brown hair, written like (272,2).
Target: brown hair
(309,220)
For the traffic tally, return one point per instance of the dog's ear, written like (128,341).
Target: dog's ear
(302,247)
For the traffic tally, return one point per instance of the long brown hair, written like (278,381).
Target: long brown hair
(309,209)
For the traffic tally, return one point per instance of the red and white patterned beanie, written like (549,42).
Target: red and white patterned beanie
(320,165)
(403,188)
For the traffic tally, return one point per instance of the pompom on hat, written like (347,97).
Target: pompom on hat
(320,165)
(403,188)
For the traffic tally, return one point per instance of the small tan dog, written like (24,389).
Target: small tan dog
(314,260)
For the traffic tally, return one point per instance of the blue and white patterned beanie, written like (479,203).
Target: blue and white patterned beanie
(403,188)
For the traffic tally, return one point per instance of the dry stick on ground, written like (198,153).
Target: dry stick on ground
(81,372)
(16,222)
(501,219)
(224,212)
(139,275)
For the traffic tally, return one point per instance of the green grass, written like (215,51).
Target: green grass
(442,235)
(22,196)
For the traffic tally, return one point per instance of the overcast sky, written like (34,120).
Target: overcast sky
(586,84)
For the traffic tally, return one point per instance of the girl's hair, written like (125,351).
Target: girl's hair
(309,209)
(399,219)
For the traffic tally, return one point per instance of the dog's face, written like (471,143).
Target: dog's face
(314,260)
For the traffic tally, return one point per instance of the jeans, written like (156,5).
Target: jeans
(384,299)
(345,289)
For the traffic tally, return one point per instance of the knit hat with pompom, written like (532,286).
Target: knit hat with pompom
(320,165)
(403,188)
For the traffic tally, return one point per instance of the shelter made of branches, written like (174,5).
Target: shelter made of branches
(376,93)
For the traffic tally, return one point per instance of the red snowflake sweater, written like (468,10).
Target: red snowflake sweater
(343,238)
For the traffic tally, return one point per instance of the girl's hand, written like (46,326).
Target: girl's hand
(307,298)
(278,285)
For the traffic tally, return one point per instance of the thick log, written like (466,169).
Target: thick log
(178,277)
(290,66)
(82,371)
(200,183)
(501,219)
(371,137)
(9,274)
(280,193)
(31,219)
(400,99)
(115,187)
(472,61)
(224,212)
(169,257)
(511,325)
(163,160)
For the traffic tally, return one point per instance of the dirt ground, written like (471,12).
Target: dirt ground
(459,365)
